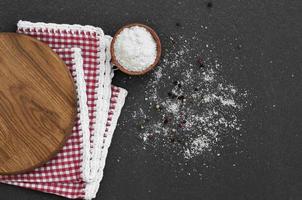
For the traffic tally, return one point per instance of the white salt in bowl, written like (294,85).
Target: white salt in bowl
(124,69)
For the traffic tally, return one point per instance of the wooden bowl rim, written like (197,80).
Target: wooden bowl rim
(158,50)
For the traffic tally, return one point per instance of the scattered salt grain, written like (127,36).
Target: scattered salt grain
(192,111)
(195,110)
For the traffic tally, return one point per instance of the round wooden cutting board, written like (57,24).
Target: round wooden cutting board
(37,103)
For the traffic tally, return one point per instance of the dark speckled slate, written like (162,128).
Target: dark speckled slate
(269,66)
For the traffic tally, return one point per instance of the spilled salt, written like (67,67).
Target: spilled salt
(191,109)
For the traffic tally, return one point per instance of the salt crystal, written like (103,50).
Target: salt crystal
(135,48)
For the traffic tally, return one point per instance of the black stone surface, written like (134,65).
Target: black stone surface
(269,42)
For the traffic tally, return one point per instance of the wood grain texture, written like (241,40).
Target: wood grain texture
(37,103)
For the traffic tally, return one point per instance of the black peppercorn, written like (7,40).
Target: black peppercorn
(209,4)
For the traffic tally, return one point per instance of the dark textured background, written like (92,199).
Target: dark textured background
(269,66)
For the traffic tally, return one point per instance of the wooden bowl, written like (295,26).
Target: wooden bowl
(158,50)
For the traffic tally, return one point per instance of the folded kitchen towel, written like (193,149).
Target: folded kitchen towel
(77,170)
(82,190)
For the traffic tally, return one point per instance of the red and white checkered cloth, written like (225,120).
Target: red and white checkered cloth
(78,168)
(82,190)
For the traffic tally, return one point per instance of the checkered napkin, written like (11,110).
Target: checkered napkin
(78,168)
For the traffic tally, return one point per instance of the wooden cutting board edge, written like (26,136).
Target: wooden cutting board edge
(73,121)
